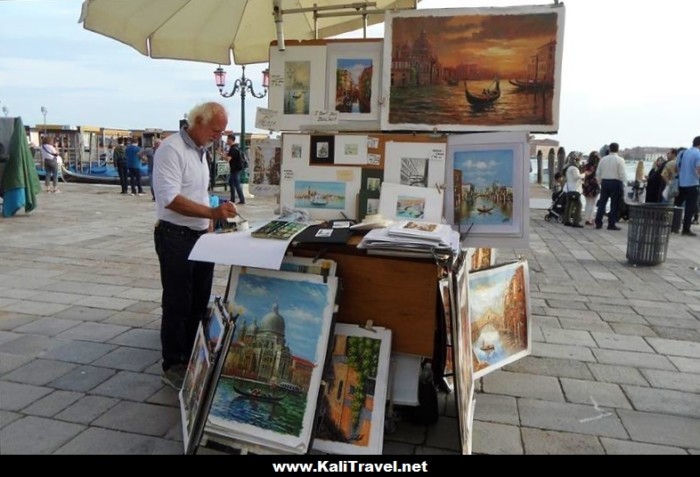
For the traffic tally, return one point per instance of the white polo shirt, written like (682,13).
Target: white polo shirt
(180,168)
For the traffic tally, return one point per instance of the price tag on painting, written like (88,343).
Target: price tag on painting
(437,154)
(276,81)
(325,117)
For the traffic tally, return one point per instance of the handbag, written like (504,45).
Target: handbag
(671,190)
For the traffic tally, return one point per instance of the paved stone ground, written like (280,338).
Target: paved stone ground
(615,367)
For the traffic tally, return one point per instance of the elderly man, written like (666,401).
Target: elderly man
(180,181)
(612,178)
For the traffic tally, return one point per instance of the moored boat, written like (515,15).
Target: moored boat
(488,96)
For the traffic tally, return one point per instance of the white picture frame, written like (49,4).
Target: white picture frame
(492,196)
(297,85)
(264,169)
(499,316)
(400,202)
(331,191)
(353,62)
(350,150)
(365,436)
(194,387)
(296,150)
(415,164)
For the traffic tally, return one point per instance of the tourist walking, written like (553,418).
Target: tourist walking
(689,184)
(236,162)
(180,181)
(612,177)
(119,160)
(133,163)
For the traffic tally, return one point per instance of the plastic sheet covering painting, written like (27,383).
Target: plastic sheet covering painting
(474,69)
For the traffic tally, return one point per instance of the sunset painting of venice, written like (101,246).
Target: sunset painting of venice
(474,69)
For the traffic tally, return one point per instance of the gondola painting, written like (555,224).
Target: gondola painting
(473,69)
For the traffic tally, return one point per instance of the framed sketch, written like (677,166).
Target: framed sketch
(265,167)
(401,202)
(296,150)
(355,394)
(499,316)
(327,193)
(488,189)
(473,69)
(354,71)
(415,164)
(322,150)
(372,179)
(268,388)
(368,203)
(297,84)
(350,150)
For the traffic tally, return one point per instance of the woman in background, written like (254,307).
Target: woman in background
(655,182)
(591,188)
(50,155)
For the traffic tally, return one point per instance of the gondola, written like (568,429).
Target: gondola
(264,394)
(99,175)
(489,95)
(530,85)
(484,210)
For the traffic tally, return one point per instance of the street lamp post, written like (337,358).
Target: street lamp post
(44,111)
(243,86)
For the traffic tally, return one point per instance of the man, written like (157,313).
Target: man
(612,178)
(148,153)
(119,159)
(180,180)
(235,160)
(133,163)
(688,184)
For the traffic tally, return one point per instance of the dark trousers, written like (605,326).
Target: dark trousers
(123,176)
(135,175)
(610,189)
(236,187)
(689,195)
(186,290)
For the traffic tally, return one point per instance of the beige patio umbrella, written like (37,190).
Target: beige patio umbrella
(214,30)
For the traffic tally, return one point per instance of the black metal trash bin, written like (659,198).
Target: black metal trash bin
(648,233)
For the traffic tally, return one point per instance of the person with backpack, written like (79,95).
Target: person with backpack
(237,163)
(119,159)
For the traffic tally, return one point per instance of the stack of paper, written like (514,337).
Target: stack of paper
(410,239)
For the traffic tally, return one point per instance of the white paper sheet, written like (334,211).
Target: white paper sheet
(406,374)
(239,248)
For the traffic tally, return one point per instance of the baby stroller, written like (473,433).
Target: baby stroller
(558,207)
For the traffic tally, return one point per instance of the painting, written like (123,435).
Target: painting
(368,203)
(350,150)
(325,268)
(482,258)
(464,370)
(269,385)
(355,393)
(446,292)
(354,71)
(473,69)
(415,164)
(322,150)
(499,316)
(297,84)
(326,193)
(372,179)
(401,202)
(265,166)
(193,389)
(488,190)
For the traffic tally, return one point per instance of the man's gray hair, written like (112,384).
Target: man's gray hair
(205,112)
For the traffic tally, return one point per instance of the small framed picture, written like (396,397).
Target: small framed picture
(401,202)
(368,203)
(372,179)
(322,150)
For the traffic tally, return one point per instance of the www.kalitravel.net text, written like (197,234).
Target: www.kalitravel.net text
(350,466)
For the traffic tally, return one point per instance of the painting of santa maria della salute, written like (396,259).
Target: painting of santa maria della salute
(474,69)
(271,376)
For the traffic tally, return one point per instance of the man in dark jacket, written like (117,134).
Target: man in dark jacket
(235,160)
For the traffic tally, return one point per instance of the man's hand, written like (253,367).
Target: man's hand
(227,210)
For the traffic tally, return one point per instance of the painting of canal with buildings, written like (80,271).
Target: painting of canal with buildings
(468,71)
(483,192)
(272,370)
(297,86)
(498,316)
(353,92)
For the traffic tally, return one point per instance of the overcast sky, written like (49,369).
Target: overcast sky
(630,72)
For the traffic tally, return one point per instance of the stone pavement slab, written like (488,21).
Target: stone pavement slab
(593,393)
(16,397)
(83,378)
(669,380)
(87,409)
(551,443)
(52,404)
(138,418)
(39,372)
(81,352)
(36,435)
(572,418)
(662,429)
(496,439)
(663,401)
(618,447)
(96,441)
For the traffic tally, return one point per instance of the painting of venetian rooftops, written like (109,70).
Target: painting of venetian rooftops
(474,69)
